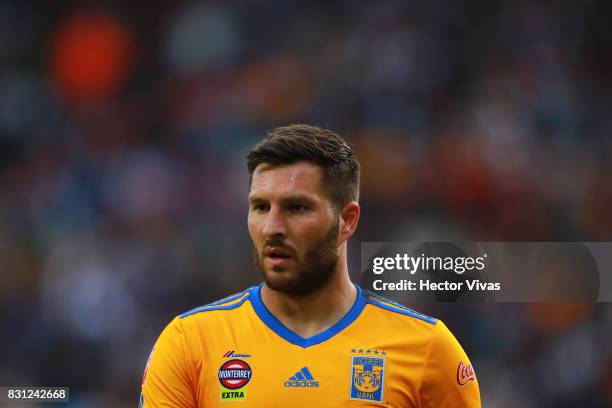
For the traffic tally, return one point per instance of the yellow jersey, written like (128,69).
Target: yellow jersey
(235,353)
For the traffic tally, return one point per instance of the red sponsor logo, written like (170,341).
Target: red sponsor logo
(235,374)
(465,373)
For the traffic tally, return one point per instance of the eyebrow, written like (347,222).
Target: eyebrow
(293,198)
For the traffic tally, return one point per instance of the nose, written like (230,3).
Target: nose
(274,224)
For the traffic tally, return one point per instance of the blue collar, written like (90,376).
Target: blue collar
(277,327)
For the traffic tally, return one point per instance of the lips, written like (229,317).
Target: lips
(277,253)
(278,257)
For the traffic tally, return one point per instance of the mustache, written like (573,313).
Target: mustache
(278,243)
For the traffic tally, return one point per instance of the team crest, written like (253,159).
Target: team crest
(367,377)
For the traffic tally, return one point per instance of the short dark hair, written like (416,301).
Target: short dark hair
(322,147)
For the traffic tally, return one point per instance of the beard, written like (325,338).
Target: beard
(313,271)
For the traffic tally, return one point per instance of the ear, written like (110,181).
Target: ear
(349,217)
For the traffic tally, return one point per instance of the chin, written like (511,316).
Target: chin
(283,280)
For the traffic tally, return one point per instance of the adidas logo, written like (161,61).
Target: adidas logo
(302,378)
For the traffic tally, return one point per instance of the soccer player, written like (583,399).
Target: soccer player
(307,336)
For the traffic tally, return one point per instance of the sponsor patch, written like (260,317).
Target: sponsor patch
(233,376)
(233,354)
(367,378)
(465,373)
(232,395)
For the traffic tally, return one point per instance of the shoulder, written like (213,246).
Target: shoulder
(387,309)
(232,302)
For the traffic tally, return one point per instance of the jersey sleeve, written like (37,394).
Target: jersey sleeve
(168,379)
(448,379)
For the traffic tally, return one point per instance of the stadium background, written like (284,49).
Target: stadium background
(123,127)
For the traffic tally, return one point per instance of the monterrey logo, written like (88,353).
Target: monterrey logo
(465,373)
(234,374)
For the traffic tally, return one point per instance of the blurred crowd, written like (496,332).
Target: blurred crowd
(123,130)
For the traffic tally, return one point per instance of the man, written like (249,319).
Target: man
(307,336)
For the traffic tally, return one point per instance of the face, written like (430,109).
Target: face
(293,227)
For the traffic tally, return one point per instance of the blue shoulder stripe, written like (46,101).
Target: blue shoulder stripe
(220,304)
(403,310)
(386,300)
(211,308)
(229,298)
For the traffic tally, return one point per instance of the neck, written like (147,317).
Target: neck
(310,314)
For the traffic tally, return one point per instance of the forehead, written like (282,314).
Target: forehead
(287,179)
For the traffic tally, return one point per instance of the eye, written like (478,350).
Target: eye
(260,207)
(297,207)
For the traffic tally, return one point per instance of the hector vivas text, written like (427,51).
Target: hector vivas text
(412,264)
